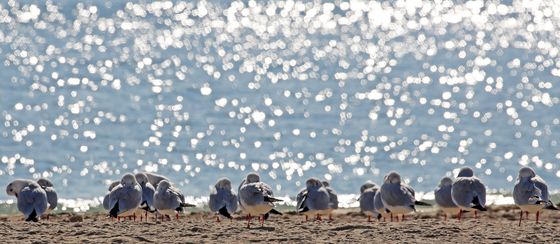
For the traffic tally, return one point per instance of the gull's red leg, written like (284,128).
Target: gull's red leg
(369,218)
(520,217)
(538,216)
(248,221)
(475,216)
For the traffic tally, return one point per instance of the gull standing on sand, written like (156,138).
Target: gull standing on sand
(222,200)
(530,193)
(367,195)
(125,198)
(397,197)
(333,198)
(106,197)
(443,197)
(468,192)
(148,190)
(316,200)
(168,200)
(52,197)
(31,198)
(256,198)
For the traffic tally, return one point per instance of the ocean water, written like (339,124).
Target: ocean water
(343,91)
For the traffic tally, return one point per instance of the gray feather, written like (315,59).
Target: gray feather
(32,197)
(465,189)
(443,197)
(367,200)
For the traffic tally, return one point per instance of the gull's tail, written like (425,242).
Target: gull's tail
(272,199)
(551,206)
(187,205)
(114,211)
(223,211)
(419,203)
(32,217)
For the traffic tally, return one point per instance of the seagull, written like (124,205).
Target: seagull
(367,195)
(168,200)
(31,198)
(316,200)
(468,192)
(443,197)
(106,198)
(148,190)
(333,198)
(256,198)
(398,197)
(52,197)
(125,198)
(250,178)
(154,179)
(530,193)
(222,199)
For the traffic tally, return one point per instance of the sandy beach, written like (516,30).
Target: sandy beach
(499,225)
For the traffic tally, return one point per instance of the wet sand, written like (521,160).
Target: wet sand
(499,225)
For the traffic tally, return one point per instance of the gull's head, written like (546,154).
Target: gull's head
(253,178)
(163,185)
(223,183)
(526,172)
(366,186)
(45,182)
(313,182)
(445,181)
(142,178)
(128,180)
(393,177)
(465,172)
(113,185)
(15,187)
(326,183)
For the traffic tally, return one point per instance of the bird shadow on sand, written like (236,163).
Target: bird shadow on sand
(266,228)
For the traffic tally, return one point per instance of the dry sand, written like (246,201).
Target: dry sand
(496,226)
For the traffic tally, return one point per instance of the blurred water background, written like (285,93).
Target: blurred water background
(343,91)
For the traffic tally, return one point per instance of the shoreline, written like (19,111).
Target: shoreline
(498,225)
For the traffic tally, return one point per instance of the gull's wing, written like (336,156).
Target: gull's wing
(396,195)
(215,201)
(541,185)
(148,194)
(52,197)
(443,197)
(480,192)
(366,200)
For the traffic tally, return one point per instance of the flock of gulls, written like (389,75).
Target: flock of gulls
(143,193)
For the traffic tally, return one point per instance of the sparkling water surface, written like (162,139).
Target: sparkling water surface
(343,91)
